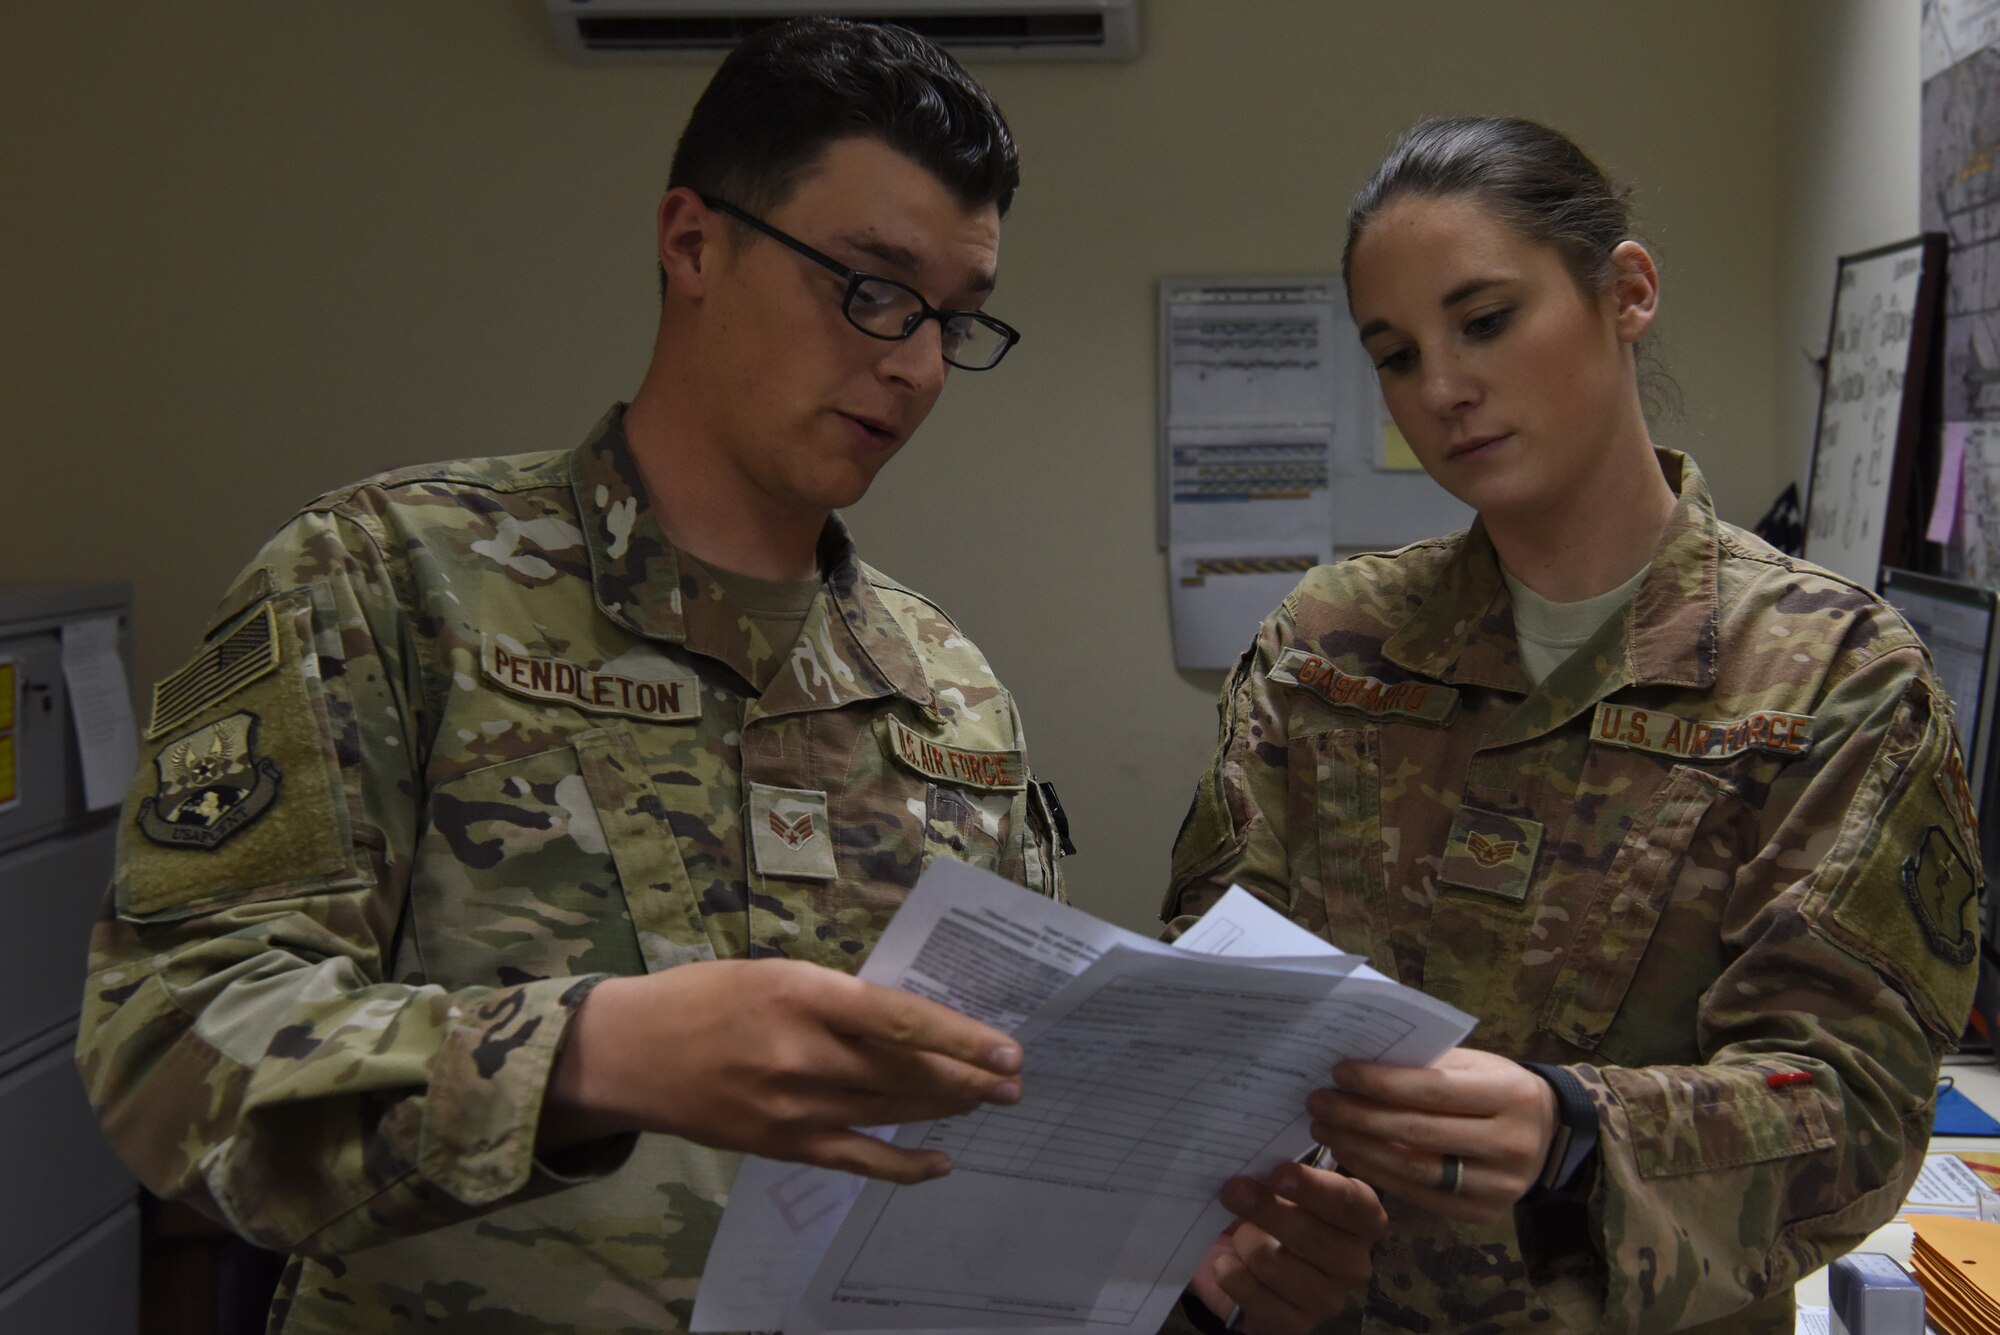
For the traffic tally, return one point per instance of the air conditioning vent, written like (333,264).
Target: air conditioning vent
(718,34)
(628,31)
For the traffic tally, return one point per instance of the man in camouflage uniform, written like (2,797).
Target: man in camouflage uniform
(518,806)
(1720,867)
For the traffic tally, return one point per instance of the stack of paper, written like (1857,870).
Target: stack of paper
(1153,1074)
(1946,1185)
(1958,1263)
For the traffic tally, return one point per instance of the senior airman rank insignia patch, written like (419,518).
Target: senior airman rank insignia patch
(790,834)
(211,785)
(1940,887)
(1491,853)
(1423,701)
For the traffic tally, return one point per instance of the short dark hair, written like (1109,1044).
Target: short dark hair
(790,89)
(1534,179)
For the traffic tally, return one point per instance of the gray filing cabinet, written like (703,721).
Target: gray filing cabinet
(69,1218)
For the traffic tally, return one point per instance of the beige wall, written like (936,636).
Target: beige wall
(1847,141)
(253,251)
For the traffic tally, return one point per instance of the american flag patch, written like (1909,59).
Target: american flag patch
(216,673)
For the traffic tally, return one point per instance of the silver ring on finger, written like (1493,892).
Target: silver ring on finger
(1452,1176)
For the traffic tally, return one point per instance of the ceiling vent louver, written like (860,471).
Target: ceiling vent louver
(595,32)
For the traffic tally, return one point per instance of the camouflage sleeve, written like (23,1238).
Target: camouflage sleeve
(1234,832)
(240,1039)
(1849,943)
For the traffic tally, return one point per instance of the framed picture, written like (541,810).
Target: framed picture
(1865,448)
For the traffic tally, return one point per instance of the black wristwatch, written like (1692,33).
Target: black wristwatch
(1566,1173)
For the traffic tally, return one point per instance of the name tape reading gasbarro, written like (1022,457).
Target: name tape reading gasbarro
(1367,695)
(998,770)
(1655,730)
(665,699)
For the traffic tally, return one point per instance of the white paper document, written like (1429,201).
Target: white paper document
(1153,1074)
(101,703)
(1250,397)
(1946,1185)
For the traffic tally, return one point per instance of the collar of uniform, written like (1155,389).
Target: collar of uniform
(1463,630)
(1672,626)
(635,572)
(851,646)
(857,650)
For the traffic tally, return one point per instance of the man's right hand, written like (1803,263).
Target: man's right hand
(773,1057)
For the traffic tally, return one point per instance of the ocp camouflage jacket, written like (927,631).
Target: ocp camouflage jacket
(1728,838)
(462,739)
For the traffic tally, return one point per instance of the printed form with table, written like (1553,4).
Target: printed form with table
(1154,1073)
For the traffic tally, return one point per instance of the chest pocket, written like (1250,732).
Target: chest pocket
(964,824)
(551,864)
(1349,902)
(1619,927)
(910,798)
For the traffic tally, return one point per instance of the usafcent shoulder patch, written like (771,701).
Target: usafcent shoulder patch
(1938,882)
(211,785)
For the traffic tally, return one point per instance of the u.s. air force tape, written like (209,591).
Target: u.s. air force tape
(999,771)
(1784,735)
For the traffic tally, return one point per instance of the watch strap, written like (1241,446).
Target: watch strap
(1565,1173)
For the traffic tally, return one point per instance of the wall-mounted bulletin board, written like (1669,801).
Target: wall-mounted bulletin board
(1865,450)
(1274,453)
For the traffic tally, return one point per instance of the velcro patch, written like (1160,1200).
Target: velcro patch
(1957,792)
(211,785)
(219,671)
(1420,700)
(1938,882)
(1491,852)
(790,833)
(996,771)
(1787,736)
(668,696)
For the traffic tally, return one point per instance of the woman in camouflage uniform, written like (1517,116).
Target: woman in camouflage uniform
(1682,820)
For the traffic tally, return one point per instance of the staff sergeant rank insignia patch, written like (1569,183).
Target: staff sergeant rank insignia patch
(1491,852)
(212,785)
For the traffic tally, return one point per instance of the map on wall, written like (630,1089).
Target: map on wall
(1961,198)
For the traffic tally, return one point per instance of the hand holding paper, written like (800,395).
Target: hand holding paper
(1392,1127)
(1154,1075)
(774,1057)
(1299,1248)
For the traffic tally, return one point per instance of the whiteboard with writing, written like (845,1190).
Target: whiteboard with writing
(1864,450)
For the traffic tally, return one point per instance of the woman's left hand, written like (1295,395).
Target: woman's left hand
(1464,1139)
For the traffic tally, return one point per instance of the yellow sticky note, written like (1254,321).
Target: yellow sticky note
(6,692)
(1397,456)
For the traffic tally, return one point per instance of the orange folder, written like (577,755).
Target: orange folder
(1957,1261)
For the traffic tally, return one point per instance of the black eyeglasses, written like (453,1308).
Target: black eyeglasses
(886,309)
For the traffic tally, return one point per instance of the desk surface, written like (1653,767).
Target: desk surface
(1978,1078)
